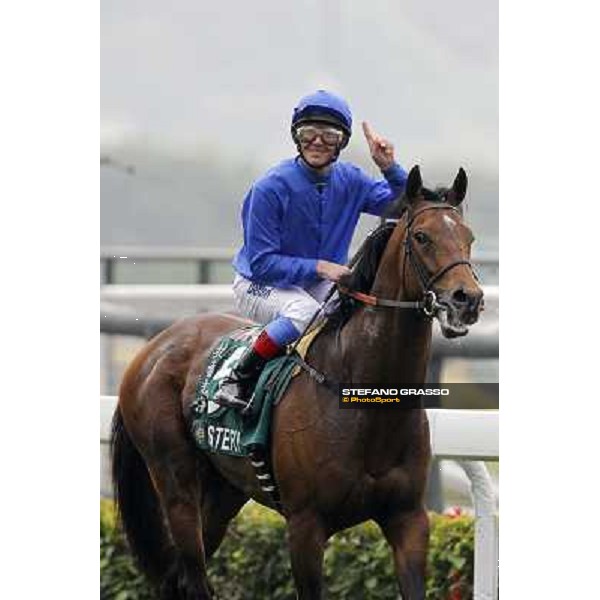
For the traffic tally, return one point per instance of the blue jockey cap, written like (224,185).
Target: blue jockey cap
(324,107)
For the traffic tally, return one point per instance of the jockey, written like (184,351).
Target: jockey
(298,221)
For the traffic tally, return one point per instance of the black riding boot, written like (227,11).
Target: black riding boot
(238,387)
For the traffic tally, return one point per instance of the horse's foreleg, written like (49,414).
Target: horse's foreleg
(178,486)
(307,540)
(408,535)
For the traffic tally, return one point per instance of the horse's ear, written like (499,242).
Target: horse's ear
(414,183)
(459,188)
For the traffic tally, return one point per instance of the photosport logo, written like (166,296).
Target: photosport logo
(452,395)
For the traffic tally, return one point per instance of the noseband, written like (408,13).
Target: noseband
(429,304)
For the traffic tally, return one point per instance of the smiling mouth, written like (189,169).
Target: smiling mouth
(317,156)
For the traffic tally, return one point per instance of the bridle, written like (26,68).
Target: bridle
(429,304)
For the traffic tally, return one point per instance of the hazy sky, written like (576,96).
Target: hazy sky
(190,73)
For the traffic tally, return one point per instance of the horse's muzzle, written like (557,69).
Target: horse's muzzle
(460,308)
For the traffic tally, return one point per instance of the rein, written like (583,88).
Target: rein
(376,301)
(429,303)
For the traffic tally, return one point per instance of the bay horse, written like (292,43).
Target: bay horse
(334,468)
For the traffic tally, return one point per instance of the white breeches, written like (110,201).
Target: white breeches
(263,303)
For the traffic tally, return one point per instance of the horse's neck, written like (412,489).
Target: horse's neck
(388,345)
(387,348)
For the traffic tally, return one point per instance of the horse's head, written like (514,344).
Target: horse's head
(437,252)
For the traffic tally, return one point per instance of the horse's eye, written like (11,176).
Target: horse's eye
(421,237)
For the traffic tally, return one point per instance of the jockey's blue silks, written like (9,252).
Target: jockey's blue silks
(288,225)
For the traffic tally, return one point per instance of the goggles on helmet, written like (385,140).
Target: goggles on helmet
(307,134)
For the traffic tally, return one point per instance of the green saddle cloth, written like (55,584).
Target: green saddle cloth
(223,429)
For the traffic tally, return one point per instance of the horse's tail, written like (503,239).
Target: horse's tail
(138,504)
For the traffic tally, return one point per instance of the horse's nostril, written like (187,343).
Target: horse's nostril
(460,297)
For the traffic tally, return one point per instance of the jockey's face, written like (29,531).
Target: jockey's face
(319,143)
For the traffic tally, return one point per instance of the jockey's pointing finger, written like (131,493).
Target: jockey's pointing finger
(369,134)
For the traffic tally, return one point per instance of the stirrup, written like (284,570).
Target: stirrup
(248,406)
(232,394)
(229,392)
(231,403)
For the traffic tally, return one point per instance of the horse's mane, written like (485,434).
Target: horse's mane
(369,255)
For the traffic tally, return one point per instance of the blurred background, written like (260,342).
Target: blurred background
(196,99)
